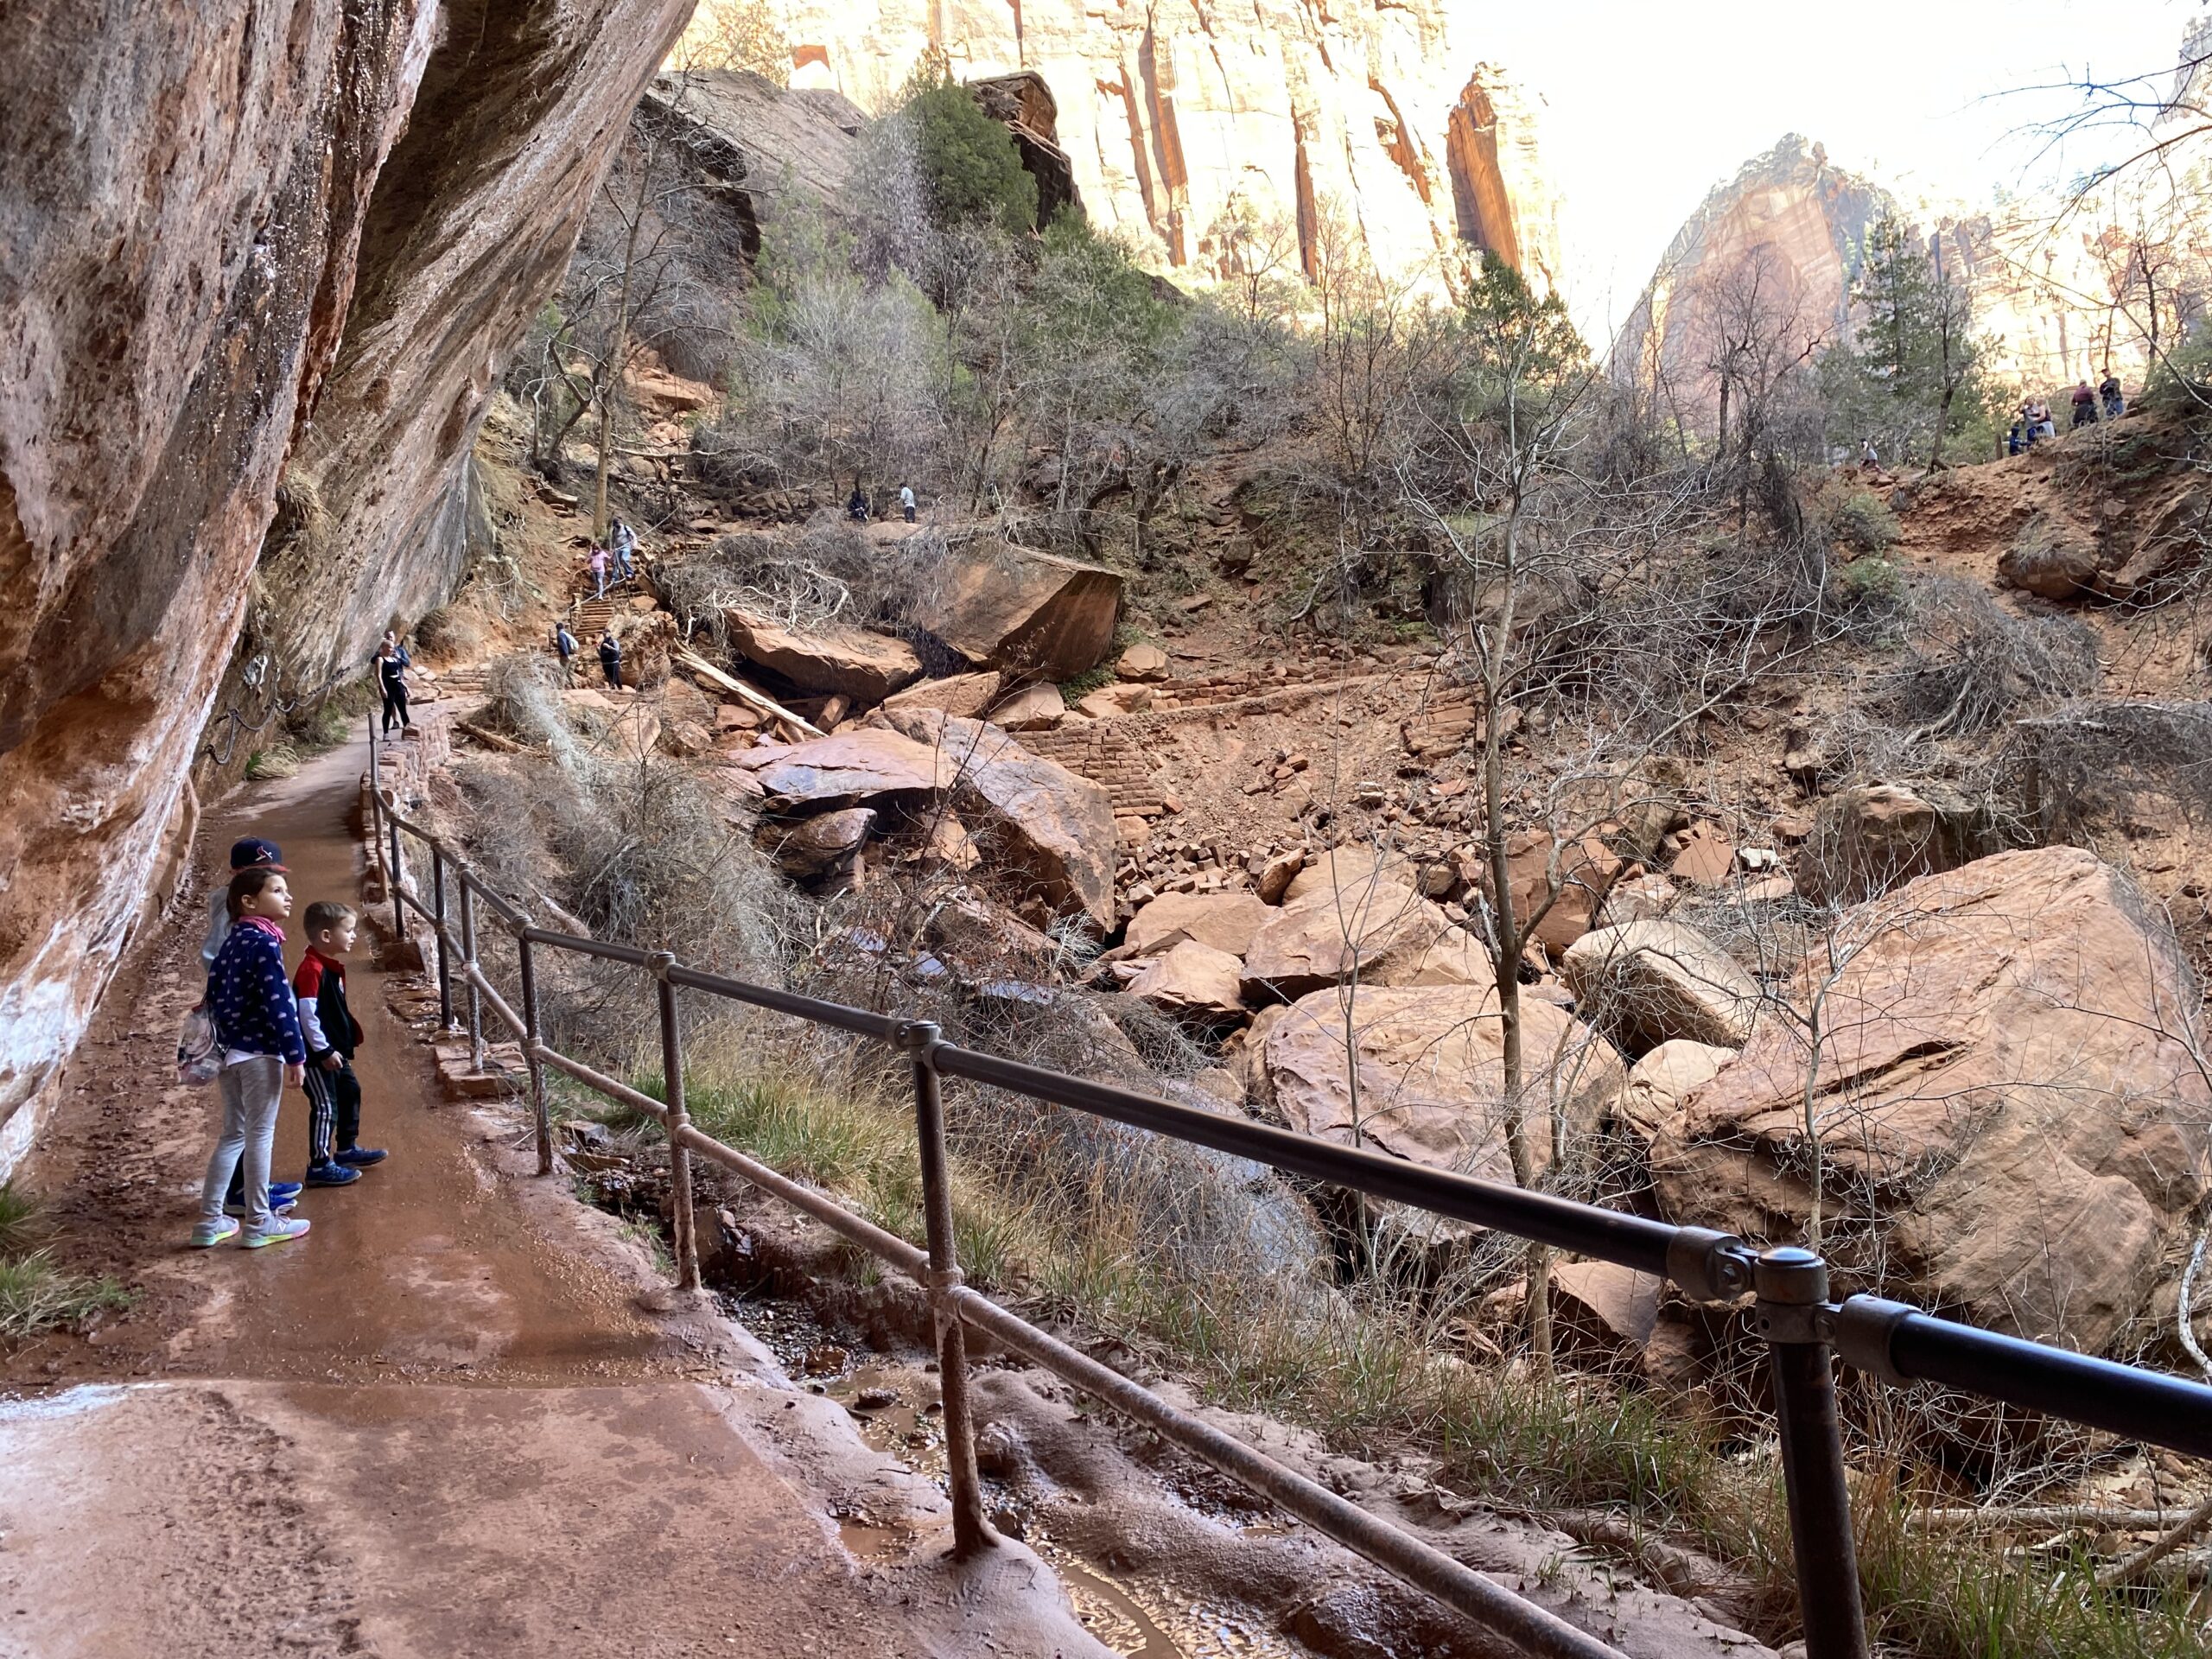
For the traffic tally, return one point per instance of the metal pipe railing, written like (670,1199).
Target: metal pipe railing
(1804,1331)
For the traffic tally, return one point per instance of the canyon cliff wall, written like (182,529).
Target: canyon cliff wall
(1172,110)
(2057,289)
(232,236)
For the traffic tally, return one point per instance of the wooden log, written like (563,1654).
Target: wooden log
(700,669)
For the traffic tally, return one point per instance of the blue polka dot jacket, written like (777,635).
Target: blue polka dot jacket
(251,999)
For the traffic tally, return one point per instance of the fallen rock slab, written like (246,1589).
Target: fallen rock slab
(1659,1081)
(2009,1120)
(834,660)
(848,767)
(1868,840)
(1193,983)
(1032,709)
(1322,939)
(1014,609)
(816,845)
(964,695)
(1650,982)
(1035,820)
(1225,921)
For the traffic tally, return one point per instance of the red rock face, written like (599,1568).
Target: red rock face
(1479,198)
(220,246)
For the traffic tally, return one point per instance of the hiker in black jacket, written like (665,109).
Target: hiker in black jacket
(393,661)
(610,658)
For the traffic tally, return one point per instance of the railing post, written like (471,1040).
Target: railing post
(399,880)
(679,1155)
(971,1531)
(468,968)
(445,955)
(541,1115)
(1793,1316)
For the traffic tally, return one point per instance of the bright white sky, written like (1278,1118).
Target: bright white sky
(1648,103)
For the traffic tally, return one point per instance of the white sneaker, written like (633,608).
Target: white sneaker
(279,1228)
(208,1234)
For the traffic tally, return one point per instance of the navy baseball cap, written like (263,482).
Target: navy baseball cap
(254,853)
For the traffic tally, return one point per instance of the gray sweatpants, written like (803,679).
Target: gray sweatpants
(252,1089)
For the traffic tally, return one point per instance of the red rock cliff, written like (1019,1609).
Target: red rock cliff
(229,235)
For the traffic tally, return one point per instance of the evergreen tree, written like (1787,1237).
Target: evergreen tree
(970,168)
(1909,376)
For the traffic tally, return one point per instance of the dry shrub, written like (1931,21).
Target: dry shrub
(1969,664)
(826,572)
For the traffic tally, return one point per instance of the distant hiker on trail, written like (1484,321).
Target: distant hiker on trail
(2015,440)
(393,661)
(257,1034)
(2036,414)
(856,507)
(330,1034)
(598,569)
(610,658)
(1867,457)
(2085,405)
(623,542)
(564,646)
(907,501)
(2115,400)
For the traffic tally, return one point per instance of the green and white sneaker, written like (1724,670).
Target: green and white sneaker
(280,1229)
(208,1234)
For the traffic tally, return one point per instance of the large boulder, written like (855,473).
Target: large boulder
(814,846)
(2051,558)
(1378,929)
(1035,821)
(2011,1123)
(1224,920)
(1430,1074)
(848,766)
(1010,608)
(1659,1081)
(1585,874)
(1652,983)
(833,660)
(1347,867)
(1032,709)
(1192,982)
(1870,839)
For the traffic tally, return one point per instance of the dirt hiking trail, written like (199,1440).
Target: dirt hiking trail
(459,1418)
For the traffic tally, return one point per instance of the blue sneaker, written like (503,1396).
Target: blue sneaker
(361,1157)
(283,1195)
(332,1174)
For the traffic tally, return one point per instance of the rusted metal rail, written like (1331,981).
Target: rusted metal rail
(1790,1311)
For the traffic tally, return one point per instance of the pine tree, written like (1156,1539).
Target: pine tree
(1909,376)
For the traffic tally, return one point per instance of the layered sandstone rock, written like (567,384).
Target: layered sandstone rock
(1381,116)
(236,233)
(2011,1121)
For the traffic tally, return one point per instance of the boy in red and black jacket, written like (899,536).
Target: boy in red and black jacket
(332,1034)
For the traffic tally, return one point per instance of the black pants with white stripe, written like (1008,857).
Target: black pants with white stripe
(334,1112)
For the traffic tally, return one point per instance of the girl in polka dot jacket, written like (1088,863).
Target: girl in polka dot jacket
(257,1029)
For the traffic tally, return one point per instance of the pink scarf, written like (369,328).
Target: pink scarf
(267,925)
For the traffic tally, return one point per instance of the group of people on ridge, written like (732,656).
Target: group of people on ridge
(270,1033)
(857,508)
(2035,423)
